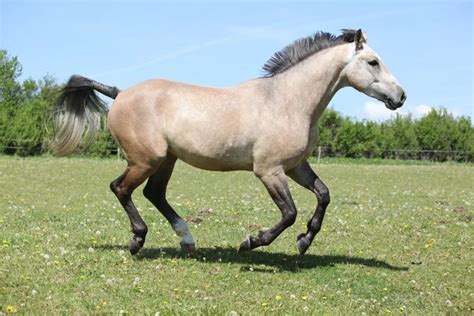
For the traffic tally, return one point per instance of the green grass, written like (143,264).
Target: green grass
(396,239)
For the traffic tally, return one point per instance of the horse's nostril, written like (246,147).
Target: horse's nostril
(403,97)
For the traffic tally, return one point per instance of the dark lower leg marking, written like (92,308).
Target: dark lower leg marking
(305,176)
(277,186)
(123,188)
(155,191)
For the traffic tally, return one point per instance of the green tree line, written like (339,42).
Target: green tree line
(26,129)
(436,136)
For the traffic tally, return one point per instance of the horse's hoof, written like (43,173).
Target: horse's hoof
(302,244)
(246,245)
(188,248)
(136,243)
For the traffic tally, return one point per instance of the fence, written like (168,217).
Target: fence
(398,154)
(319,152)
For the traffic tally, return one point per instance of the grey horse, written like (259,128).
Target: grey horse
(267,125)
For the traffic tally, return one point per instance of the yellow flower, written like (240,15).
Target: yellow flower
(278,297)
(11,309)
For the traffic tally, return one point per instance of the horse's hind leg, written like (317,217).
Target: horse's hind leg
(123,188)
(276,183)
(155,191)
(305,176)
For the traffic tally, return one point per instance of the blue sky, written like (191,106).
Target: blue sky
(427,45)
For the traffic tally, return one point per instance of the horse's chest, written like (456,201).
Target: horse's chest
(298,147)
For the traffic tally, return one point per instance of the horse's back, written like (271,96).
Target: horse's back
(210,128)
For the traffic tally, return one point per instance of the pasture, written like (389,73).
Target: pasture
(396,239)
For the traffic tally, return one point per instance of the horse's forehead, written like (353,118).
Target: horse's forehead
(369,52)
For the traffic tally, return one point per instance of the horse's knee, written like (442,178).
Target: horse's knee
(323,196)
(115,187)
(325,199)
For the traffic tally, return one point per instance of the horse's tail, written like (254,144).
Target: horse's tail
(77,114)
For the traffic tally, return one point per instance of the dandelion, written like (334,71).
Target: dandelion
(11,309)
(136,280)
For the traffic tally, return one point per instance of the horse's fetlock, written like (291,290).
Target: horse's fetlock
(140,231)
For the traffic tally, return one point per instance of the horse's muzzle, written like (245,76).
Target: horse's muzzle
(392,105)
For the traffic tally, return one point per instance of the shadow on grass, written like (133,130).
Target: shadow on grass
(273,261)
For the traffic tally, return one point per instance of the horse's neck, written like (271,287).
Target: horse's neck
(309,86)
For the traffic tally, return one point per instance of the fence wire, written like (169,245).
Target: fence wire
(319,152)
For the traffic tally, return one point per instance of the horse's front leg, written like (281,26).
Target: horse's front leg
(305,176)
(276,183)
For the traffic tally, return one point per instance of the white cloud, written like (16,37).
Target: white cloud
(376,111)
(421,110)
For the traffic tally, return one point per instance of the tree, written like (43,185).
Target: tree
(329,124)
(10,96)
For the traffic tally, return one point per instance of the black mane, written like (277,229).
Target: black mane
(303,48)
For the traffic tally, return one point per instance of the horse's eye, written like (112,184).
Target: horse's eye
(373,63)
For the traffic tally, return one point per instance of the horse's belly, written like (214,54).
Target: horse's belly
(217,157)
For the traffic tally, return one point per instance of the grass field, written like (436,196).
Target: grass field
(396,239)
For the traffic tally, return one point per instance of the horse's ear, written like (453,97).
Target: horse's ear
(360,38)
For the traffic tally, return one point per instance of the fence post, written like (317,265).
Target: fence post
(319,154)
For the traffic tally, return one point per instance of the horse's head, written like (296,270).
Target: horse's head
(367,73)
